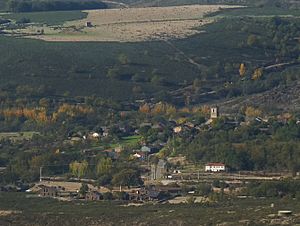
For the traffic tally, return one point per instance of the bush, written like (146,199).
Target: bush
(107,196)
(23,20)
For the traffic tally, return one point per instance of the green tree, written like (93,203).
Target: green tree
(123,59)
(83,189)
(252,40)
(104,166)
(113,73)
(127,177)
(78,169)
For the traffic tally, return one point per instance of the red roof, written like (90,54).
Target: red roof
(215,164)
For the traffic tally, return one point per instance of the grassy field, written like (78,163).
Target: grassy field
(48,211)
(131,140)
(18,136)
(50,18)
(127,25)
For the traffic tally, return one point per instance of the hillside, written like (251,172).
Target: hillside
(171,112)
(283,98)
(125,71)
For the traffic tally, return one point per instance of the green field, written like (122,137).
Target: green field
(125,141)
(50,18)
(43,211)
(18,136)
(131,139)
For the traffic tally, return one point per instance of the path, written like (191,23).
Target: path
(116,3)
(190,60)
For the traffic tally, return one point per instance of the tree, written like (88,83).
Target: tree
(257,73)
(104,166)
(196,84)
(242,70)
(107,196)
(44,102)
(145,108)
(252,40)
(122,195)
(252,112)
(113,73)
(78,169)
(157,80)
(83,189)
(204,189)
(127,177)
(123,59)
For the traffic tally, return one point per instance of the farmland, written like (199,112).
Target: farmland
(129,24)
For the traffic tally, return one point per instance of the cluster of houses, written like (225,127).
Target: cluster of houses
(140,194)
(158,170)
(128,130)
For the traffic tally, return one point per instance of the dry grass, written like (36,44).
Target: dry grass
(131,24)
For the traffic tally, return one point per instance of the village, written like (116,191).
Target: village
(164,179)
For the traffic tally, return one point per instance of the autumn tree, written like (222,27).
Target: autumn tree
(158,108)
(145,108)
(170,110)
(242,70)
(252,112)
(258,72)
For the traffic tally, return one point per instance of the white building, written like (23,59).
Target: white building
(215,167)
(214,112)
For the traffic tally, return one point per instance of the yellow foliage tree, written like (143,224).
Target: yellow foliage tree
(242,70)
(159,108)
(144,109)
(252,112)
(185,110)
(170,109)
(258,72)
